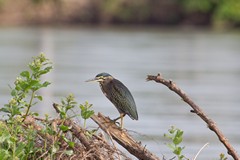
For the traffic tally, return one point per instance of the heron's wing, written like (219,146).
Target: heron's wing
(123,99)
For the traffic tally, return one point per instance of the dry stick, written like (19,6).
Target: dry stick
(196,109)
(123,138)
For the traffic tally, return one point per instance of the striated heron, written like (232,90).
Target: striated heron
(118,94)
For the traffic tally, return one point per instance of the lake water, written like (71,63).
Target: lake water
(205,64)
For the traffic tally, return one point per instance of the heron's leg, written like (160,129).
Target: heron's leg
(121,115)
(121,122)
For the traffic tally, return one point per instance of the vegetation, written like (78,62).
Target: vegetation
(20,136)
(179,12)
(176,137)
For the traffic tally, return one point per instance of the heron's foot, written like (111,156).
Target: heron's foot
(115,121)
(121,122)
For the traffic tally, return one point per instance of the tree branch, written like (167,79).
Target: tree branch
(196,109)
(123,138)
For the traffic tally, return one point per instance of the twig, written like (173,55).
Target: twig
(115,148)
(196,109)
(123,138)
(205,145)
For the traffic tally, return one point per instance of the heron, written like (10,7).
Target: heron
(118,94)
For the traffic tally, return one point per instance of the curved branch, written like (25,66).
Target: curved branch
(196,109)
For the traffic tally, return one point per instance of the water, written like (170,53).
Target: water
(205,64)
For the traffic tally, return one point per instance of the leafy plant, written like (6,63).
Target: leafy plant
(26,85)
(86,111)
(176,137)
(67,104)
(19,141)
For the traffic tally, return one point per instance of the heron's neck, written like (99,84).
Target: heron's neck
(103,85)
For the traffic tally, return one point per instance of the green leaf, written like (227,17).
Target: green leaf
(25,74)
(4,154)
(39,97)
(89,114)
(85,112)
(15,110)
(35,114)
(6,110)
(171,131)
(177,140)
(64,128)
(63,102)
(5,135)
(179,133)
(178,150)
(23,86)
(181,157)
(48,68)
(71,144)
(82,107)
(45,84)
(20,149)
(45,70)
(35,85)
(13,92)
(63,114)
(69,107)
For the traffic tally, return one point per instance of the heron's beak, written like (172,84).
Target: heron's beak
(93,80)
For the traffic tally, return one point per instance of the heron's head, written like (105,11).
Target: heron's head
(101,77)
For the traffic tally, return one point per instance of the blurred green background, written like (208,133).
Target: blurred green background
(216,13)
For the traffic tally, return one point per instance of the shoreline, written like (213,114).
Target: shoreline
(104,13)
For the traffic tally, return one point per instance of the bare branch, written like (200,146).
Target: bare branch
(196,109)
(123,138)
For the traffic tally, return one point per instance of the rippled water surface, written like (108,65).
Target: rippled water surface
(205,64)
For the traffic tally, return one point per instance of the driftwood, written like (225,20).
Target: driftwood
(196,109)
(123,138)
(87,146)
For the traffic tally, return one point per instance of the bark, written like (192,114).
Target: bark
(123,138)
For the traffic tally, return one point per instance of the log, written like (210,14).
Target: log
(123,138)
